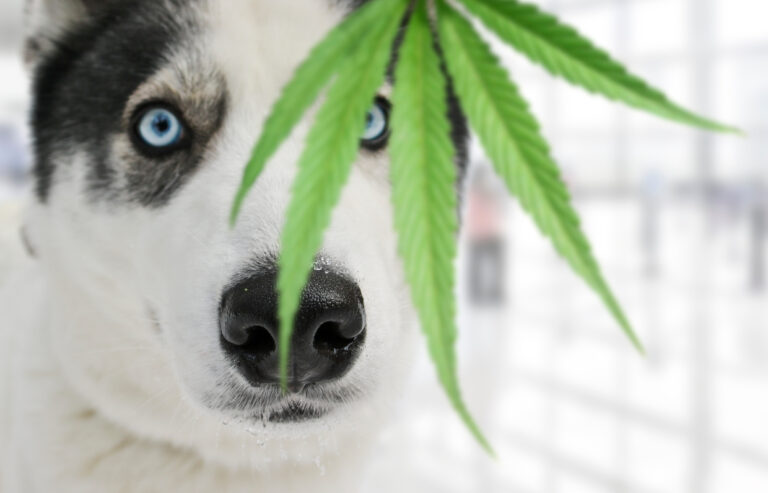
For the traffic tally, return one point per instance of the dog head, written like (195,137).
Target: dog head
(162,315)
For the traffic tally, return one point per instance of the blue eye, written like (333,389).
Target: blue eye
(159,129)
(376,124)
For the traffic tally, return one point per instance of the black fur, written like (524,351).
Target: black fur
(81,88)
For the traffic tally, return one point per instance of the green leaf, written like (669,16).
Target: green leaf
(310,78)
(565,53)
(424,198)
(332,145)
(511,137)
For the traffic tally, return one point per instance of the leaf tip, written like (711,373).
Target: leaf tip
(237,204)
(284,375)
(233,214)
(484,443)
(283,355)
(488,448)
(638,344)
(739,132)
(728,129)
(474,428)
(633,337)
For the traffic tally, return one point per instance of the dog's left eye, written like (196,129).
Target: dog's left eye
(377,131)
(158,130)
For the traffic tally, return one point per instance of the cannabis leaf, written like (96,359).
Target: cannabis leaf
(298,95)
(424,197)
(511,137)
(332,145)
(423,175)
(565,53)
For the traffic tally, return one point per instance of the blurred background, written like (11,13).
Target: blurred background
(677,218)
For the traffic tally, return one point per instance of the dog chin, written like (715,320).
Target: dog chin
(272,406)
(295,412)
(289,412)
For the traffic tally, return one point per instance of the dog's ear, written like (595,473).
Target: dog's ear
(46,21)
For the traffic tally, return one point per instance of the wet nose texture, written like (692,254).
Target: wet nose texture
(329,329)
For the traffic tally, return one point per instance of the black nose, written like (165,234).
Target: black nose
(329,329)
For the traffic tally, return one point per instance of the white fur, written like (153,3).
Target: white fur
(106,399)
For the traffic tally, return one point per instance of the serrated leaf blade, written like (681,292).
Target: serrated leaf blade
(331,147)
(424,198)
(297,96)
(511,137)
(564,52)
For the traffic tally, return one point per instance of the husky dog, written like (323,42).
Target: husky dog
(139,341)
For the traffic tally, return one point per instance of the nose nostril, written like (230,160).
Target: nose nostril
(259,342)
(330,338)
(329,328)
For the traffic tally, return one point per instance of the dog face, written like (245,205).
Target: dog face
(144,115)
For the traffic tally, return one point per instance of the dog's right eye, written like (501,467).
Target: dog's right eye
(158,130)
